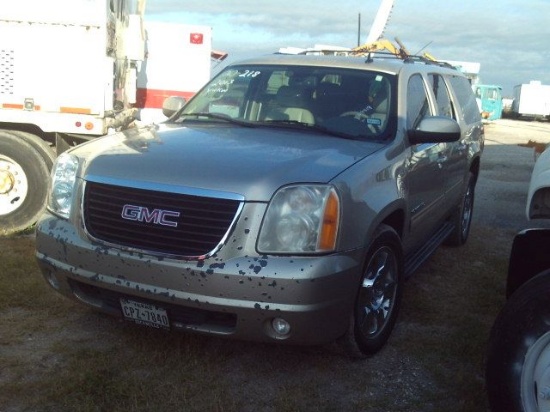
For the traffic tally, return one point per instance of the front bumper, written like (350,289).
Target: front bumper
(236,296)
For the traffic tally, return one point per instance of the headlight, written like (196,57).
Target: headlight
(63,185)
(301,219)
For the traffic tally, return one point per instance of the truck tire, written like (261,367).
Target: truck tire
(462,217)
(378,297)
(518,353)
(47,153)
(24,175)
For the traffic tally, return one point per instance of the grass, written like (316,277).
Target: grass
(57,355)
(19,285)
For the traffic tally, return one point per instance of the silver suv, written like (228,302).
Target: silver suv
(286,202)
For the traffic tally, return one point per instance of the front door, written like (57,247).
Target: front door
(425,179)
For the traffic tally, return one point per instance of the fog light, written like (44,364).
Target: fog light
(52,280)
(280,326)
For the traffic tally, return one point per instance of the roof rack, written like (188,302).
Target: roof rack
(372,55)
(411,58)
(381,49)
(427,60)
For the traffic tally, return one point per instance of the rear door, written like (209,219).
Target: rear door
(467,115)
(454,156)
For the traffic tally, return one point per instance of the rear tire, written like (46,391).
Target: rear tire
(378,298)
(25,167)
(462,218)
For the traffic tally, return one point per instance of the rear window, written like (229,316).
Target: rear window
(466,99)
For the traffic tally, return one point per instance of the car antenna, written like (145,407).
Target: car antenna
(419,51)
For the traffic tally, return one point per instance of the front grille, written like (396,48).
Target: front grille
(221,322)
(201,226)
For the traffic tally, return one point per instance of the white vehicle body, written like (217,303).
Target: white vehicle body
(68,73)
(178,63)
(538,197)
(531,100)
(65,64)
(518,353)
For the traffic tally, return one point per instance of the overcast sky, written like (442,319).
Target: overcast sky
(511,39)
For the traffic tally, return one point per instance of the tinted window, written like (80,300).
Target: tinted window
(466,99)
(442,99)
(417,102)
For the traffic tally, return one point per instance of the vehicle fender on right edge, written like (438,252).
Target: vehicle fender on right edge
(529,256)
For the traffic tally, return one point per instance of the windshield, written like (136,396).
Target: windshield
(343,102)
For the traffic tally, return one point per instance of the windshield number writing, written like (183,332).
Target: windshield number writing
(250,73)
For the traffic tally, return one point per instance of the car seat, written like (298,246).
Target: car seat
(292,103)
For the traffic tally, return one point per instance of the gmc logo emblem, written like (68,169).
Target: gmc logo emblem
(155,216)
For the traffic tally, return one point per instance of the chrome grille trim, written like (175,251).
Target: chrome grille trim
(205,225)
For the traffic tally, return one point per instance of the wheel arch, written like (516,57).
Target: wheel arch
(392,215)
(529,257)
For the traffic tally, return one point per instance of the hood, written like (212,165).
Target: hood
(251,162)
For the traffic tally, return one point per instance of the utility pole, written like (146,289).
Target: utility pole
(359,30)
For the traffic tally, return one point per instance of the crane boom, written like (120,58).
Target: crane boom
(380,21)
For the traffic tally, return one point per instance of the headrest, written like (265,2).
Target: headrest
(292,96)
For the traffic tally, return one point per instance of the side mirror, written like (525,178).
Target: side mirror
(435,129)
(172,104)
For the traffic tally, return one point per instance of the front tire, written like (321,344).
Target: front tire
(518,356)
(24,174)
(378,298)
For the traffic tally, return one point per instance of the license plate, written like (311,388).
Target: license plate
(145,314)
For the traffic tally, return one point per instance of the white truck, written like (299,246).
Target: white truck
(178,61)
(68,71)
(74,70)
(531,100)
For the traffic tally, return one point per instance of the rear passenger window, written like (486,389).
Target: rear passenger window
(466,99)
(442,99)
(417,100)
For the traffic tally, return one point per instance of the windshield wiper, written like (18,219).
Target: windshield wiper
(312,127)
(217,116)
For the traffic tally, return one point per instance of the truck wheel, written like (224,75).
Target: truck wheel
(462,218)
(24,174)
(378,298)
(518,355)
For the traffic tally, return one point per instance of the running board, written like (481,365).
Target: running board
(415,260)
